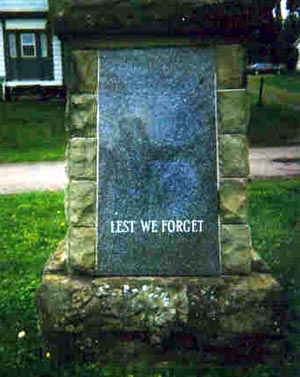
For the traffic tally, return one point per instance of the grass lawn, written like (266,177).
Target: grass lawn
(274,212)
(30,227)
(34,131)
(277,121)
(32,224)
(31,131)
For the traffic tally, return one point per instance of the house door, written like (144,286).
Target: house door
(29,56)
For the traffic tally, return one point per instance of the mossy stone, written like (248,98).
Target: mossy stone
(232,111)
(81,120)
(236,257)
(233,200)
(82,158)
(230,66)
(234,156)
(81,202)
(81,249)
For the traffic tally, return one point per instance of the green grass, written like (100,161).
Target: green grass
(31,131)
(30,227)
(288,83)
(274,211)
(277,121)
(32,224)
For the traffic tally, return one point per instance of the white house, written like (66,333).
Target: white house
(30,54)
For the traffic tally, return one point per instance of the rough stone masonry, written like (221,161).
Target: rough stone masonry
(87,308)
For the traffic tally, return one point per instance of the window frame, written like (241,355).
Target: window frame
(34,45)
(12,36)
(44,43)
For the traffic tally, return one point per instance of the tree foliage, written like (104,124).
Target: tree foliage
(275,42)
(293,5)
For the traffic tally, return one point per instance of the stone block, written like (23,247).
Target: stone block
(232,111)
(83,75)
(81,199)
(81,248)
(82,159)
(230,66)
(82,115)
(258,264)
(57,261)
(236,255)
(212,312)
(233,200)
(234,156)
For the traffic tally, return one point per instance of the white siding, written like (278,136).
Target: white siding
(25,24)
(298,63)
(24,5)
(57,60)
(2,60)
(16,83)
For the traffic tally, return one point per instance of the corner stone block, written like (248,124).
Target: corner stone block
(84,74)
(234,156)
(82,159)
(233,201)
(236,256)
(81,196)
(230,66)
(232,111)
(82,245)
(82,115)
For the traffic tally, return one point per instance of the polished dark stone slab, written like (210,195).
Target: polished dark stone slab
(157,184)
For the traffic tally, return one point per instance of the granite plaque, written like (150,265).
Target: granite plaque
(157,174)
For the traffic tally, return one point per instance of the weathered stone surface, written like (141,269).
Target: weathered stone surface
(82,244)
(82,115)
(144,16)
(236,257)
(232,305)
(230,66)
(232,111)
(258,264)
(82,159)
(234,156)
(233,200)
(214,310)
(81,199)
(81,75)
(57,262)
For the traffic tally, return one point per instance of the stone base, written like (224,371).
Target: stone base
(220,319)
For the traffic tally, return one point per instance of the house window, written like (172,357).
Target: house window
(12,45)
(44,45)
(28,45)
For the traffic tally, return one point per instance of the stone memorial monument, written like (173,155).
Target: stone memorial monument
(158,240)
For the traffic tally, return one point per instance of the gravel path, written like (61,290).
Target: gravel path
(275,162)
(36,176)
(23,177)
